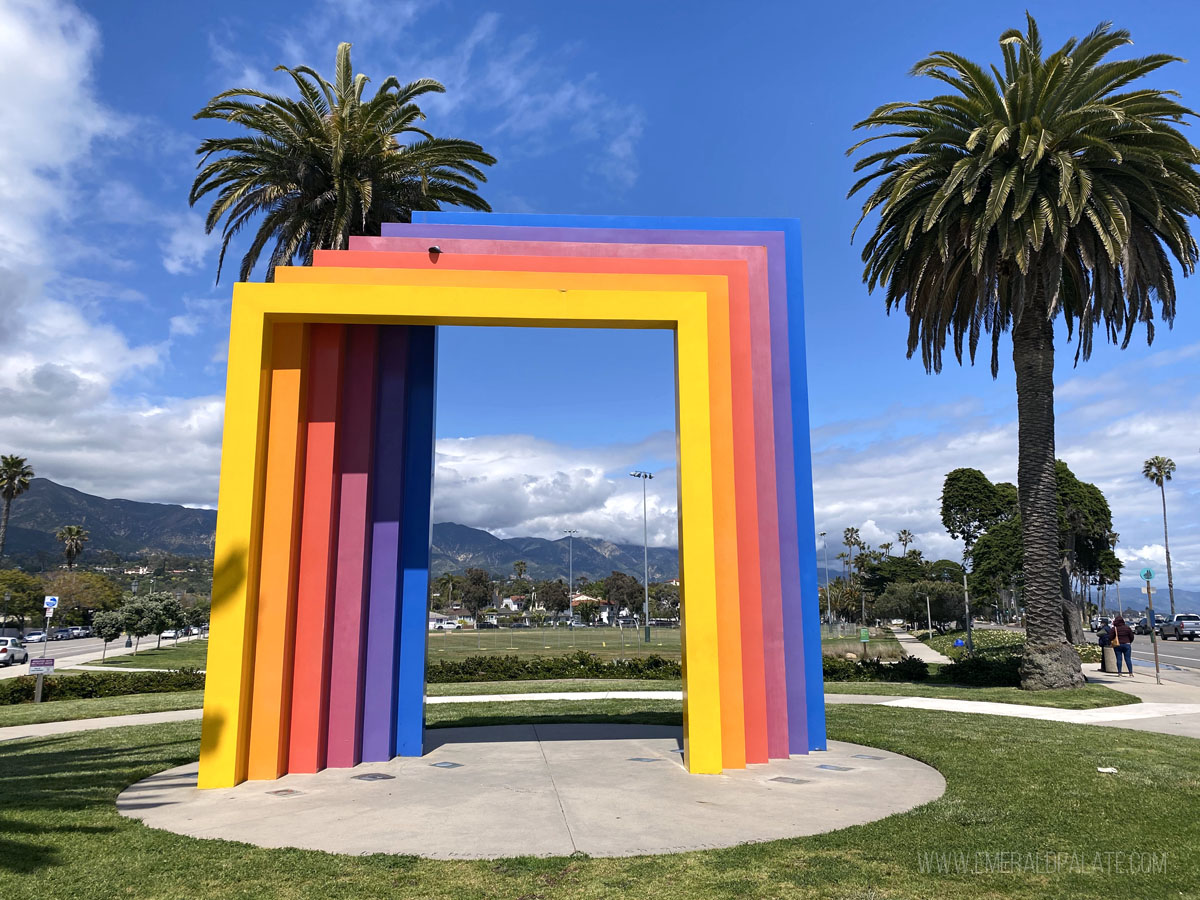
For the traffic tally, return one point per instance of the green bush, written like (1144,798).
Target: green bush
(87,685)
(576,665)
(984,670)
(910,668)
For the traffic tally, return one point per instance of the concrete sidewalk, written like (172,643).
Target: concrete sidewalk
(919,649)
(1167,708)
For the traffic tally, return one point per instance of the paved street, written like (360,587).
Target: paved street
(69,652)
(1180,660)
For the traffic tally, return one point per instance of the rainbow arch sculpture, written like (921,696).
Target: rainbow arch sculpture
(319,617)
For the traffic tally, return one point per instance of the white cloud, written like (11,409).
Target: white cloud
(186,245)
(60,362)
(882,483)
(517,485)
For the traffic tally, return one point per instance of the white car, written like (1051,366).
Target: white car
(446,625)
(12,651)
(171,633)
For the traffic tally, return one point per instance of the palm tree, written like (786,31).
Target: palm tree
(1038,189)
(886,547)
(15,475)
(1159,469)
(328,165)
(851,540)
(445,585)
(72,537)
(905,538)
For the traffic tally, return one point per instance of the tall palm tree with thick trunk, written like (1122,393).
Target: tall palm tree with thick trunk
(72,537)
(15,475)
(328,165)
(1041,188)
(1159,469)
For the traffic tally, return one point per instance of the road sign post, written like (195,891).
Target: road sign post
(1148,574)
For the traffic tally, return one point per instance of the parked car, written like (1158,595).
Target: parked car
(62,634)
(485,626)
(520,625)
(35,637)
(12,652)
(1183,625)
(446,625)
(1143,624)
(78,631)
(171,633)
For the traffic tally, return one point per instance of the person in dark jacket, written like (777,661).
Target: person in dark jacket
(1121,636)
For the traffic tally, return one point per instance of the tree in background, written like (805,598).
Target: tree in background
(82,593)
(519,569)
(108,625)
(554,596)
(172,617)
(15,475)
(139,618)
(1159,470)
(1041,188)
(72,537)
(328,165)
(588,611)
(664,600)
(622,591)
(197,616)
(25,593)
(904,538)
(477,592)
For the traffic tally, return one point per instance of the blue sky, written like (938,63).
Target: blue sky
(111,369)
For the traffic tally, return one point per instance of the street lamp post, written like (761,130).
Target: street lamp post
(645,476)
(570,567)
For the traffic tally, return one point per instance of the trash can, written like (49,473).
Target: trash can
(1108,662)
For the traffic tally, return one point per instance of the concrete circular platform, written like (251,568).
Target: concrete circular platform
(541,790)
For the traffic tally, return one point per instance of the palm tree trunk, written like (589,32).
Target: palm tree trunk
(1166,546)
(1049,661)
(4,525)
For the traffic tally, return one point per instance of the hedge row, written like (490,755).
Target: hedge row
(576,665)
(908,669)
(87,685)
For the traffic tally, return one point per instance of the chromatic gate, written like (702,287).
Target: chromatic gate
(319,616)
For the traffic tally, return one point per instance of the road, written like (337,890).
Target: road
(73,652)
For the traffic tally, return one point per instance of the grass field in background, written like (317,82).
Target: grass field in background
(97,707)
(188,654)
(1024,791)
(607,643)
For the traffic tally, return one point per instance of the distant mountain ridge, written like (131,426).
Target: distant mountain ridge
(134,527)
(127,527)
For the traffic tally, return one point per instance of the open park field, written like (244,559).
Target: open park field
(1017,800)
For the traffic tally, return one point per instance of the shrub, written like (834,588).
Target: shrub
(575,665)
(908,669)
(87,685)
(984,670)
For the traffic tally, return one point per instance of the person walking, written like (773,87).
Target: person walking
(1121,636)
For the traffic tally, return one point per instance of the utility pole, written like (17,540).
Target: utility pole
(929,615)
(570,568)
(645,476)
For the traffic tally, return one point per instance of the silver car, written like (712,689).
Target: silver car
(12,651)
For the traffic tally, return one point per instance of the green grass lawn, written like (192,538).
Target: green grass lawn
(188,654)
(97,707)
(550,686)
(1024,792)
(1090,696)
(607,643)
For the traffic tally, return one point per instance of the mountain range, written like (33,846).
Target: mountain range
(132,528)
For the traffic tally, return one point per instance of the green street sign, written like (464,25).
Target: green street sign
(864,635)
(1147,574)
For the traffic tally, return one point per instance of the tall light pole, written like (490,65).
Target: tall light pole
(645,476)
(570,568)
(828,600)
